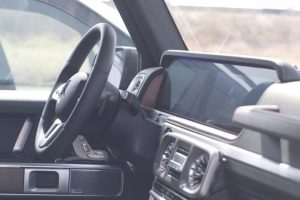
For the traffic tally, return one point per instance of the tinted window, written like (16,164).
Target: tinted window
(210,92)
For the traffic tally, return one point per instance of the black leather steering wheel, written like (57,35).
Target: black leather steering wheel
(75,94)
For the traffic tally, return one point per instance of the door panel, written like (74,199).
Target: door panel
(15,108)
(10,125)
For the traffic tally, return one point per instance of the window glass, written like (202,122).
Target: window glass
(34,48)
(268,28)
(38,37)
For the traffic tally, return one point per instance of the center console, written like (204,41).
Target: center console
(184,169)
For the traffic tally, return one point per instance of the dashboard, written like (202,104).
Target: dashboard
(203,152)
(190,165)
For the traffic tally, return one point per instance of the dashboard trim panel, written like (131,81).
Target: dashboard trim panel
(197,127)
(235,153)
(194,126)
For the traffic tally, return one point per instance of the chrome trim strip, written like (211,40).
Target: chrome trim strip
(64,167)
(235,153)
(56,166)
(200,128)
(194,126)
(63,181)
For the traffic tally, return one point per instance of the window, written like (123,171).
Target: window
(37,38)
(250,27)
(35,47)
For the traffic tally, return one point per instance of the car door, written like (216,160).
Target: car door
(36,39)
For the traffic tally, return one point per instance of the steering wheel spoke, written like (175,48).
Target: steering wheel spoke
(53,131)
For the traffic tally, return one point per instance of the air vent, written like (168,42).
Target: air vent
(183,150)
(197,171)
(165,159)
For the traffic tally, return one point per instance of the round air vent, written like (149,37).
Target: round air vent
(197,171)
(166,157)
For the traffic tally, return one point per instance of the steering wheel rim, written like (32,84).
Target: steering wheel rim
(78,89)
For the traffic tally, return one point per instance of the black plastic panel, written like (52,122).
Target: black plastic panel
(46,179)
(11,180)
(235,194)
(96,182)
(10,126)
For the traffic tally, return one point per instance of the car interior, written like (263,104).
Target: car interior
(152,121)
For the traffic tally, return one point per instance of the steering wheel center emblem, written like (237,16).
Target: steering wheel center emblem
(61,91)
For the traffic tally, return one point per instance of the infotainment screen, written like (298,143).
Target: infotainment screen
(208,89)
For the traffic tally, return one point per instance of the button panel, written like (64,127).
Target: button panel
(83,150)
(161,192)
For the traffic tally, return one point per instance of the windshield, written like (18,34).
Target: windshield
(268,28)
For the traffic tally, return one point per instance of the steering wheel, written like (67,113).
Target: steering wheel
(75,94)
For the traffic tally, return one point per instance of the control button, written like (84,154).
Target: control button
(81,138)
(97,154)
(155,196)
(85,147)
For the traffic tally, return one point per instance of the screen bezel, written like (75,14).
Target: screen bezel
(285,71)
(170,57)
